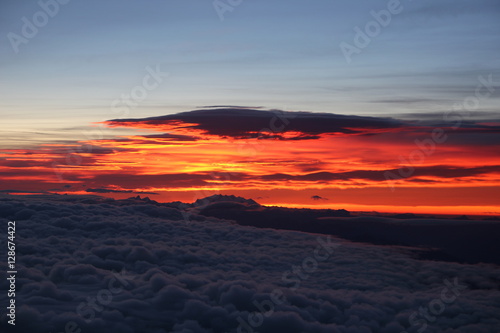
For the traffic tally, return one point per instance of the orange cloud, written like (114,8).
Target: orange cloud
(203,152)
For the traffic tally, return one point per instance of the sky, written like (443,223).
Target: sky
(355,86)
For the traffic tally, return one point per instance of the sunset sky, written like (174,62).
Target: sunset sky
(177,100)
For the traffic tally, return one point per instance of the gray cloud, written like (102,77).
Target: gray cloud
(107,190)
(241,122)
(201,276)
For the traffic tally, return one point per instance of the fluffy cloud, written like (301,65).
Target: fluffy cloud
(130,266)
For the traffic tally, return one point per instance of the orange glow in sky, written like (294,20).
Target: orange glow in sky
(341,169)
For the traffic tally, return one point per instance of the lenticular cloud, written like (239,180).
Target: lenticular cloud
(94,265)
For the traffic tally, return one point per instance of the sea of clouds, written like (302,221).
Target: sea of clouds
(98,267)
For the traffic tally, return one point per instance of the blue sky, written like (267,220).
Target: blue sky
(275,54)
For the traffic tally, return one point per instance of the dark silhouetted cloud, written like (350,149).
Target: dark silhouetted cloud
(245,123)
(107,190)
(317,197)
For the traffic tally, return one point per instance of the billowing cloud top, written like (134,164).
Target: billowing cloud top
(103,266)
